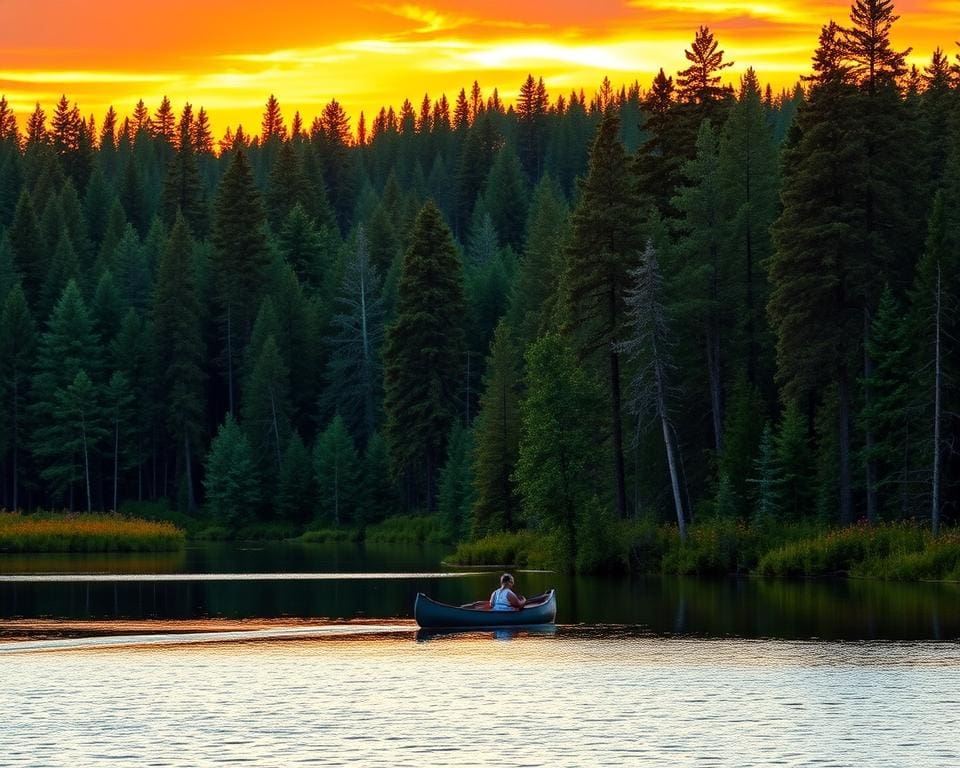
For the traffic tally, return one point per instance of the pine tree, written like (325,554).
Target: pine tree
(537,283)
(768,506)
(336,468)
(230,480)
(118,402)
(29,256)
(559,456)
(700,82)
(648,346)
(424,354)
(308,251)
(794,466)
(296,491)
(455,491)
(72,437)
(748,175)
(266,412)
(130,356)
(378,495)
(604,245)
(506,198)
(107,309)
(272,126)
(183,188)
(238,261)
(495,506)
(742,432)
(816,321)
(354,371)
(179,352)
(704,274)
(532,108)
(18,341)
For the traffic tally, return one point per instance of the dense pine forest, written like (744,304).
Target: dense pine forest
(678,300)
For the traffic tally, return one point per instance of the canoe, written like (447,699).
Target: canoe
(431,613)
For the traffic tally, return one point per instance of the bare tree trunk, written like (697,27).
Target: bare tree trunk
(276,428)
(846,501)
(668,444)
(871,462)
(935,503)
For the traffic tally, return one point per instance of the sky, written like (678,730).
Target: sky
(230,55)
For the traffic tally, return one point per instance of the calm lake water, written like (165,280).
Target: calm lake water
(664,671)
(349,582)
(580,697)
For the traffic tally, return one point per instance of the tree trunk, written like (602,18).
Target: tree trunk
(617,433)
(846,503)
(276,428)
(935,504)
(871,464)
(668,444)
(191,502)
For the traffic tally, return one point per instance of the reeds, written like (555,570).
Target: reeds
(67,532)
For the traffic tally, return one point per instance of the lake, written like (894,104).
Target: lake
(112,660)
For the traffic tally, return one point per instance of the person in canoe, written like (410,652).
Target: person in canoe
(505,599)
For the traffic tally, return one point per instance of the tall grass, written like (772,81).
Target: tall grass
(64,532)
(525,549)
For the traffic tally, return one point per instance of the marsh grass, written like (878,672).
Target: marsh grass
(66,532)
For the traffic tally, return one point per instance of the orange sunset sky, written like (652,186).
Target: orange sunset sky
(229,55)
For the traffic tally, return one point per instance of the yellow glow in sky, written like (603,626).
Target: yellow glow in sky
(230,55)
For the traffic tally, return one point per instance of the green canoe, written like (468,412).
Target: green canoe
(538,610)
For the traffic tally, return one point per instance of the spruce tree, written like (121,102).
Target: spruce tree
(495,505)
(230,480)
(18,341)
(378,495)
(557,468)
(354,372)
(296,492)
(266,412)
(179,351)
(455,490)
(604,246)
(30,258)
(239,261)
(424,356)
(336,469)
(120,426)
(794,466)
(183,188)
(506,198)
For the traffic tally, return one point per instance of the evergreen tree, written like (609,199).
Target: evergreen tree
(378,496)
(183,188)
(424,356)
(497,429)
(603,247)
(743,429)
(118,406)
(559,457)
(506,198)
(456,484)
(768,487)
(179,352)
(336,468)
(18,341)
(266,413)
(296,492)
(71,438)
(354,375)
(537,283)
(794,466)
(29,256)
(230,480)
(239,260)
(309,251)
(699,84)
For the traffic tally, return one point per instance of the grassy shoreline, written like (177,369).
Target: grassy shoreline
(892,551)
(68,532)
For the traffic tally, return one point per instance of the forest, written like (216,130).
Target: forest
(678,301)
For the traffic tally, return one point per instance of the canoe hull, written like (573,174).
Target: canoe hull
(431,614)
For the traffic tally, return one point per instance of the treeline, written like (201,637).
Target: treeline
(679,301)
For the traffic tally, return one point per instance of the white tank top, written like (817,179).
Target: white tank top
(500,601)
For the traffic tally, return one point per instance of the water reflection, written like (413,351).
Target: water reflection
(843,610)
(500,634)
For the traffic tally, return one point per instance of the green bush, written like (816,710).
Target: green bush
(407,530)
(332,535)
(524,549)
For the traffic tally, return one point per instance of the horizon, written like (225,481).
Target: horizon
(379,55)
